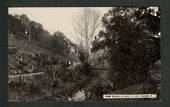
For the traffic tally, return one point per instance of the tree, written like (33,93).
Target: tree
(132,43)
(60,42)
(35,30)
(25,20)
(15,25)
(85,26)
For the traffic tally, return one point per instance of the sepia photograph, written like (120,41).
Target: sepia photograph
(84,54)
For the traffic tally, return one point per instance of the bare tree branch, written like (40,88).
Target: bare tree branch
(85,26)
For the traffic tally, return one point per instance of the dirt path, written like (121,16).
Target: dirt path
(24,75)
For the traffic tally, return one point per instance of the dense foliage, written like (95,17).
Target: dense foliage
(23,27)
(131,40)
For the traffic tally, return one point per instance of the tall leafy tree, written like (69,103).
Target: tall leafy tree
(60,42)
(132,42)
(25,20)
(16,26)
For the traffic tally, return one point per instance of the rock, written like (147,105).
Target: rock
(79,96)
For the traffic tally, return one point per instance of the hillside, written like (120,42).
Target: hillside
(26,56)
(30,63)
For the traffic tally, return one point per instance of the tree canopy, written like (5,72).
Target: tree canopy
(131,39)
(22,27)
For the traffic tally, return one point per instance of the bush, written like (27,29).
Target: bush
(35,87)
(86,68)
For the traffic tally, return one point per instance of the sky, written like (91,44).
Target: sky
(55,18)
